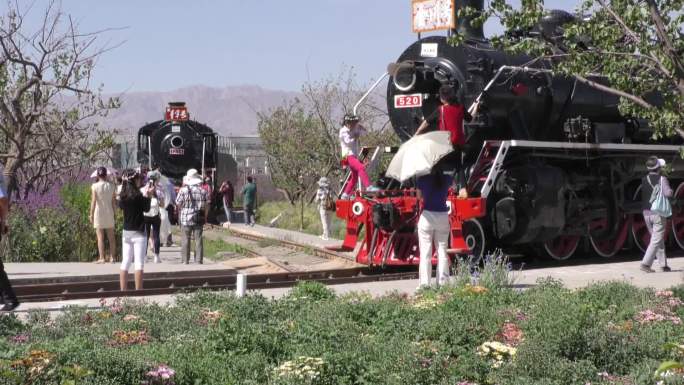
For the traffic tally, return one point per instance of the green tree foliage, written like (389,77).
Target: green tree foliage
(635,45)
(48,106)
(301,137)
(293,140)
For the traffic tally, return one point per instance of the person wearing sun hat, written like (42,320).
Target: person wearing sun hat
(193,208)
(655,222)
(324,200)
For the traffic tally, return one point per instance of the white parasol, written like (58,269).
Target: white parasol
(419,154)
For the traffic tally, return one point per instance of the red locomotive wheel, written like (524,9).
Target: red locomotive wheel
(562,247)
(609,247)
(640,233)
(678,217)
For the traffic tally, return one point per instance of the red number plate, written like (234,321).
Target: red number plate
(408,101)
(176,151)
(176,114)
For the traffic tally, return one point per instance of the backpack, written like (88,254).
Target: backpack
(659,203)
(329,203)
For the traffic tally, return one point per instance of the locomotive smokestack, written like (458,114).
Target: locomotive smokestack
(463,23)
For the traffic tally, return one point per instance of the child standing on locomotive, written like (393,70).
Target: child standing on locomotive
(449,117)
(349,134)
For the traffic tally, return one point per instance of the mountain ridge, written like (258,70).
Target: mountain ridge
(230,110)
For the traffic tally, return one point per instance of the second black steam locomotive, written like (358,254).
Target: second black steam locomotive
(554,157)
(177,144)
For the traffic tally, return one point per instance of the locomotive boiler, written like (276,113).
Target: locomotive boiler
(553,159)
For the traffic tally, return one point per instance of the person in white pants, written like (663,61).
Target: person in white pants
(433,227)
(134,247)
(324,199)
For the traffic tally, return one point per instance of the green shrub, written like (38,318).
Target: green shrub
(53,235)
(58,234)
(561,337)
(314,291)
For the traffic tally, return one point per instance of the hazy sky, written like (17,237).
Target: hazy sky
(271,43)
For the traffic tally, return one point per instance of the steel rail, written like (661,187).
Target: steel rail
(169,283)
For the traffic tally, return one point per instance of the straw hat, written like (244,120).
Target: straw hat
(192,177)
(654,163)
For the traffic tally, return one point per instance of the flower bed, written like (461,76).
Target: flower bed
(547,335)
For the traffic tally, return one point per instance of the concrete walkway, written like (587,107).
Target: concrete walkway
(170,256)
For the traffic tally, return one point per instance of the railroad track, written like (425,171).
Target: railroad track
(56,289)
(159,283)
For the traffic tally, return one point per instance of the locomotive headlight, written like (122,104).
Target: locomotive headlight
(357,208)
(176,141)
(405,77)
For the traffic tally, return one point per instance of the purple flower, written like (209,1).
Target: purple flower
(20,338)
(162,374)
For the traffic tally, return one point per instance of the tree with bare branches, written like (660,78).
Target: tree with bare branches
(300,138)
(48,106)
(636,45)
(330,98)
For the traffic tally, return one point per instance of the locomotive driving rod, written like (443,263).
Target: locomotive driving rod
(381,78)
(496,76)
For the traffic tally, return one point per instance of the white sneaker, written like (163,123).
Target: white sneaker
(345,197)
(157,259)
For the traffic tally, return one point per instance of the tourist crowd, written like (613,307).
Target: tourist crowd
(152,204)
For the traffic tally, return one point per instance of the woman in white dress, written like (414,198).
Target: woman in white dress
(102,204)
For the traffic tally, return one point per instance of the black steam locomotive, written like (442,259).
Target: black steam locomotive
(177,144)
(554,157)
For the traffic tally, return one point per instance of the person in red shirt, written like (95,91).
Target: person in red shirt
(228,193)
(449,116)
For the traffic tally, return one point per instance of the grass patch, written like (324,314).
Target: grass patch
(607,333)
(290,220)
(214,247)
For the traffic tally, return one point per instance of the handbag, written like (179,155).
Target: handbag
(330,203)
(659,203)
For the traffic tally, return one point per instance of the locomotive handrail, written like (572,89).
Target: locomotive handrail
(504,145)
(381,78)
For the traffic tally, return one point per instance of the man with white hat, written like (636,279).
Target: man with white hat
(192,203)
(655,220)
